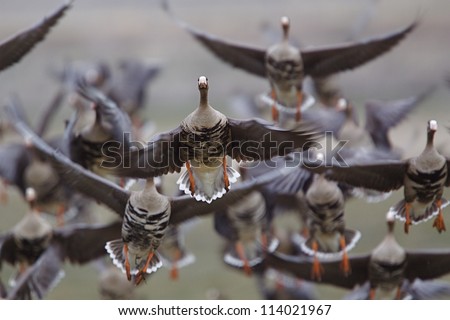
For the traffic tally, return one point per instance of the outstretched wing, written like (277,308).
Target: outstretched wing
(75,176)
(381,116)
(301,268)
(240,56)
(322,62)
(186,207)
(15,47)
(256,139)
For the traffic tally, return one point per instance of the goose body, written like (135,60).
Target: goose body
(205,135)
(145,222)
(328,235)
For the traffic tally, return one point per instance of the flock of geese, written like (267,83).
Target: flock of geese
(250,174)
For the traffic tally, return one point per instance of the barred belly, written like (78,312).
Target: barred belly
(142,229)
(205,145)
(427,186)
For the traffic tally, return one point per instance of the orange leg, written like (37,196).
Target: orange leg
(439,221)
(372,294)
(60,210)
(398,294)
(279,284)
(298,114)
(226,181)
(127,262)
(241,253)
(143,271)
(305,232)
(174,270)
(274,107)
(345,264)
(191,178)
(407,217)
(317,269)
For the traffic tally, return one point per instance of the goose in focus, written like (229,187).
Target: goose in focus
(203,141)
(285,65)
(146,213)
(423,177)
(14,48)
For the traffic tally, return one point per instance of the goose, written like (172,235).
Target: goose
(173,251)
(40,250)
(387,268)
(146,213)
(328,235)
(14,48)
(244,224)
(380,116)
(423,179)
(128,89)
(203,141)
(97,134)
(285,65)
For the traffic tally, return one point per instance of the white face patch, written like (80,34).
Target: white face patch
(284,21)
(342,104)
(433,125)
(390,216)
(30,194)
(202,80)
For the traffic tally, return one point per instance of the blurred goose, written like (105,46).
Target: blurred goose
(33,239)
(113,286)
(98,134)
(129,88)
(146,213)
(173,252)
(380,117)
(244,224)
(386,268)
(203,141)
(276,285)
(423,177)
(14,48)
(285,65)
(328,236)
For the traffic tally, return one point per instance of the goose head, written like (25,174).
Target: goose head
(285,24)
(203,88)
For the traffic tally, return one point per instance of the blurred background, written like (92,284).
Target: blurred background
(108,30)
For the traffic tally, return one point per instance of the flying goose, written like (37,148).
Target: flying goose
(129,88)
(423,178)
(173,252)
(380,117)
(33,239)
(203,141)
(244,224)
(328,235)
(14,48)
(146,213)
(285,65)
(386,268)
(97,134)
